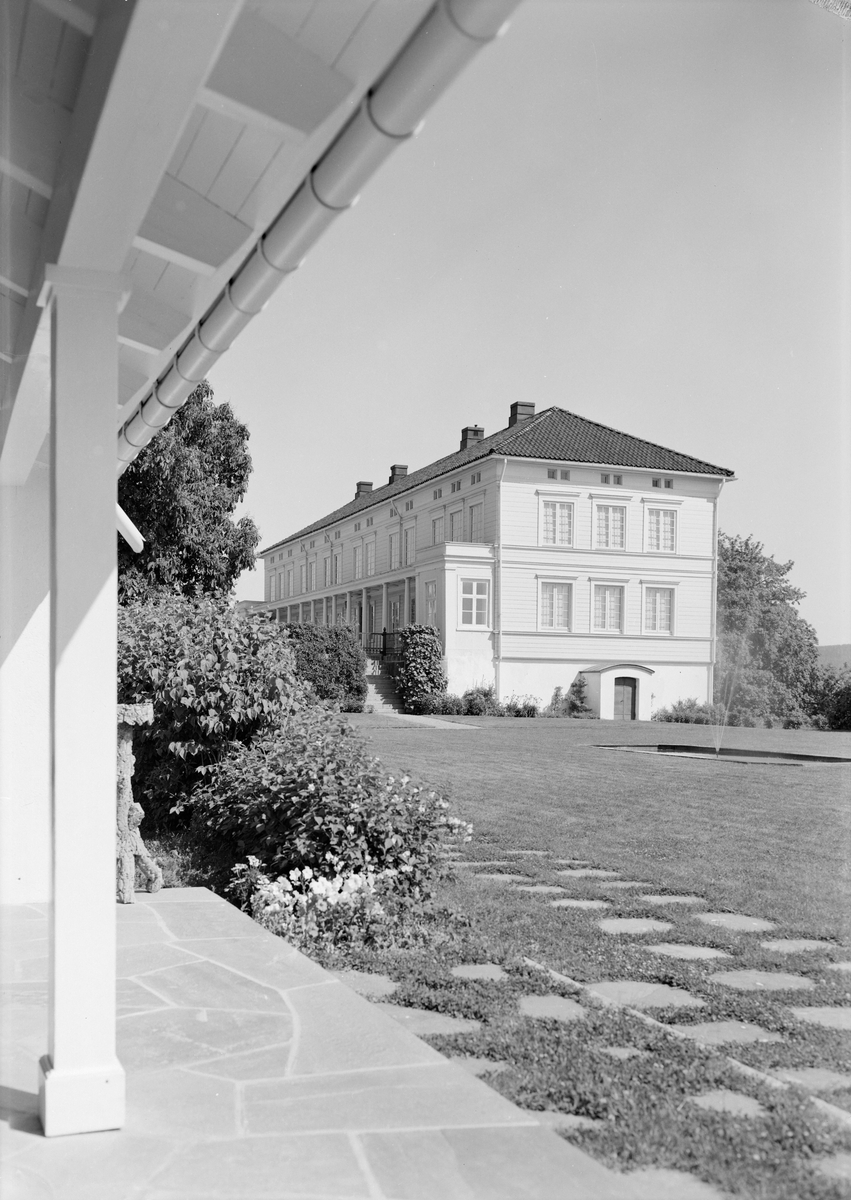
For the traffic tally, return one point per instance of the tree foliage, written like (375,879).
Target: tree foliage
(181,493)
(767,666)
(331,659)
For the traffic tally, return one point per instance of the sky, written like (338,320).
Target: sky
(639,211)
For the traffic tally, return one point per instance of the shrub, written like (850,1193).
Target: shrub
(331,659)
(216,679)
(419,674)
(310,795)
(481,702)
(577,699)
(838,714)
(522,706)
(690,712)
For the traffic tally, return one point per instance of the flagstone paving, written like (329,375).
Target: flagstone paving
(560,1120)
(816,1079)
(726,1101)
(425,1021)
(662,1183)
(735,921)
(634,925)
(829,1016)
(366,983)
(554,1008)
(568,903)
(478,1066)
(305,1089)
(763,981)
(719,1033)
(681,950)
(796,945)
(478,971)
(635,993)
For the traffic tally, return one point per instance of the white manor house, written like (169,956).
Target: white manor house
(553,547)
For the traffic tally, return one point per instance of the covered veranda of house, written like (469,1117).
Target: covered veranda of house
(165,167)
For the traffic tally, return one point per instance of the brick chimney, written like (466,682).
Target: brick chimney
(362,488)
(520,411)
(471,434)
(397,471)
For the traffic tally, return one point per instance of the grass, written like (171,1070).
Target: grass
(763,840)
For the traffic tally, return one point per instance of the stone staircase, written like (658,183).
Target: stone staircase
(381,694)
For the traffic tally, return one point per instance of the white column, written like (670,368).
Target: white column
(406,616)
(81,1084)
(349,609)
(364,616)
(334,609)
(384,606)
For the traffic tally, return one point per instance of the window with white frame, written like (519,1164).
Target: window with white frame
(303,577)
(357,562)
(431,602)
(409,546)
(555,605)
(611,527)
(337,568)
(477,522)
(557,523)
(311,576)
(269,579)
(394,551)
(662,530)
(281,586)
(608,608)
(658,610)
(326,572)
(290,581)
(476,477)
(370,558)
(456,529)
(437,531)
(475,597)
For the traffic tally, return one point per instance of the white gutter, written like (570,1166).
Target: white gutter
(451,34)
(128,530)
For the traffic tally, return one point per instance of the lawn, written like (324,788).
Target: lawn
(768,841)
(772,841)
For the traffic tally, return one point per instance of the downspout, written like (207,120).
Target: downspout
(713,634)
(451,34)
(497,604)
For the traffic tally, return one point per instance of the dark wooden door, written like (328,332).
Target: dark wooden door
(624,699)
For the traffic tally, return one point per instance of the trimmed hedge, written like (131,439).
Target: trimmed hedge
(331,659)
(216,678)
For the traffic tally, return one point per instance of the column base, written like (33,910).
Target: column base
(80,1101)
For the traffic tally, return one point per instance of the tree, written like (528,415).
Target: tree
(181,493)
(767,665)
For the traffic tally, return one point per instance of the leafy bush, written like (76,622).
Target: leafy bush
(419,674)
(310,795)
(481,702)
(838,713)
(577,698)
(216,679)
(691,712)
(331,659)
(522,706)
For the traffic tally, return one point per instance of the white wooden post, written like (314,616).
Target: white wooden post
(406,616)
(349,609)
(364,616)
(81,1082)
(384,606)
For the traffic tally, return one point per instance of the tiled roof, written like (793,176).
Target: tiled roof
(555,435)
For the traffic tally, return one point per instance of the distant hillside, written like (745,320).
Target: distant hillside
(835,656)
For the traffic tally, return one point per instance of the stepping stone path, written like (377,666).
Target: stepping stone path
(578,904)
(763,981)
(624,1052)
(478,1066)
(587,873)
(571,862)
(482,862)
(838,1166)
(723,1100)
(828,1016)
(365,983)
(736,921)
(500,878)
(677,950)
(540,889)
(560,1120)
(673,899)
(638,994)
(478,971)
(795,945)
(843,966)
(553,1008)
(718,1033)
(423,1021)
(541,852)
(633,925)
(816,1079)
